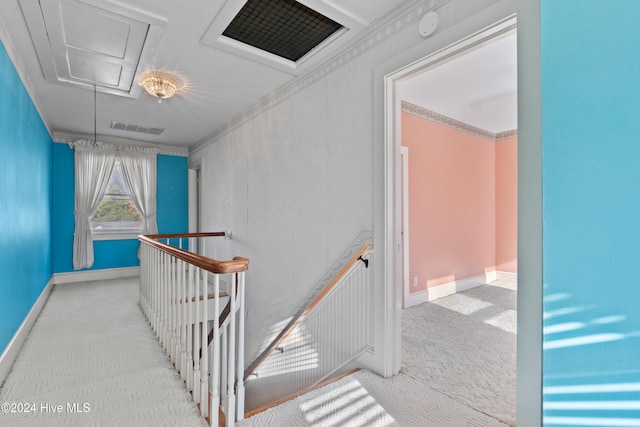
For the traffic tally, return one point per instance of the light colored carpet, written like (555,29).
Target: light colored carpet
(92,347)
(464,346)
(458,369)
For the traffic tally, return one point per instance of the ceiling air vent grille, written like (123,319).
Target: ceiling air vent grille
(282,27)
(136,128)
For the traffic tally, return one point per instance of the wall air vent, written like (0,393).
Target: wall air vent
(135,128)
(284,28)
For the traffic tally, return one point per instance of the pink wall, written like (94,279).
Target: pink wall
(507,205)
(451,202)
(457,226)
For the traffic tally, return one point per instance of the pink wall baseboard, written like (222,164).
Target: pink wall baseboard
(508,279)
(446,289)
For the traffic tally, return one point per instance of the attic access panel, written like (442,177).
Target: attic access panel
(284,28)
(80,44)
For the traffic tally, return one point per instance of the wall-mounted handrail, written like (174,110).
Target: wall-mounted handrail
(293,324)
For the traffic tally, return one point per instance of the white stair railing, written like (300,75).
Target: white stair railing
(197,326)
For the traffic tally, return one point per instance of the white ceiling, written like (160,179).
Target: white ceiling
(478,88)
(61,46)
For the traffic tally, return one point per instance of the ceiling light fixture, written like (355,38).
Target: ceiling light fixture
(159,84)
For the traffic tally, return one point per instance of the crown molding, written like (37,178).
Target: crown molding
(404,15)
(507,134)
(169,150)
(424,113)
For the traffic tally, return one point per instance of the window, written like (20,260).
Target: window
(105,207)
(116,213)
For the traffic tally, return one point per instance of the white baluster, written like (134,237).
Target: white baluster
(190,322)
(163,300)
(158,285)
(179,306)
(147,280)
(204,362)
(215,365)
(240,363)
(167,304)
(184,323)
(231,398)
(141,285)
(224,365)
(173,306)
(160,306)
(196,339)
(154,290)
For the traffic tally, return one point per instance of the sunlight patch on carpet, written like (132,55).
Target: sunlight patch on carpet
(506,320)
(347,405)
(462,303)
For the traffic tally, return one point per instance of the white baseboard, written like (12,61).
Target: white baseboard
(505,276)
(13,348)
(91,275)
(507,280)
(449,288)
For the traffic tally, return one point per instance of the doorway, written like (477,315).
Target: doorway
(394,229)
(459,121)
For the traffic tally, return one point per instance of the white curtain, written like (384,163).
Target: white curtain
(92,173)
(139,172)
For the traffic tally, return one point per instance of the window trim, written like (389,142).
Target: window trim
(115,235)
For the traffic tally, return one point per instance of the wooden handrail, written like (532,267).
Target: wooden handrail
(186,235)
(295,322)
(236,265)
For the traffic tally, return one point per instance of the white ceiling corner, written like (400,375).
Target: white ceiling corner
(477,87)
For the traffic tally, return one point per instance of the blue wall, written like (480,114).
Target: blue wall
(591,212)
(172,205)
(25,200)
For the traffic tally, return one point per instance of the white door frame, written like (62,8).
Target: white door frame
(193,200)
(406,285)
(393,265)
(196,171)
